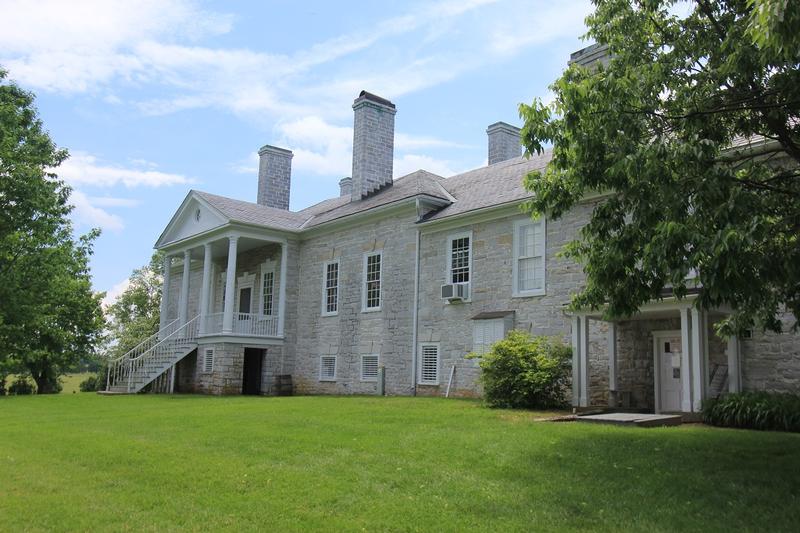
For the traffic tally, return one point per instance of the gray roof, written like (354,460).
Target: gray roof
(489,186)
(497,184)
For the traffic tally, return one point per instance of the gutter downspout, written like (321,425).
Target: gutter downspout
(416,306)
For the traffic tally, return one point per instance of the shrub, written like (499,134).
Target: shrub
(526,372)
(93,383)
(754,410)
(22,385)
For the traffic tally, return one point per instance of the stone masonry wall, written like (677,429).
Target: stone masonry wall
(771,361)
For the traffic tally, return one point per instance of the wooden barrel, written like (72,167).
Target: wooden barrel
(283,385)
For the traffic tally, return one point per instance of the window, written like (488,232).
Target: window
(330,288)
(459,258)
(369,368)
(327,368)
(372,282)
(429,364)
(529,257)
(487,332)
(267,292)
(208,360)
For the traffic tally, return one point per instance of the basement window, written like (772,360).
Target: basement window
(327,368)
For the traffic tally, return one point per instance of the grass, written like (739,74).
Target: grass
(70,383)
(156,463)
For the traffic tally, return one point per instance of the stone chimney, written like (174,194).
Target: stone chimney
(373,144)
(591,55)
(274,176)
(346,186)
(504,142)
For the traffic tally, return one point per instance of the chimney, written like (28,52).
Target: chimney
(591,55)
(504,142)
(274,176)
(373,144)
(346,186)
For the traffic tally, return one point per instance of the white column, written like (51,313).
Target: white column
(282,288)
(612,361)
(205,289)
(734,365)
(183,309)
(165,292)
(576,360)
(686,371)
(230,281)
(698,360)
(584,361)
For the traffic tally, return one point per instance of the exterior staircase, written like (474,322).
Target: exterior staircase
(153,361)
(719,381)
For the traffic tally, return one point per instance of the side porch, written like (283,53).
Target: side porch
(664,359)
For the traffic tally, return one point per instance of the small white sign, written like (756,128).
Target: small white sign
(676,360)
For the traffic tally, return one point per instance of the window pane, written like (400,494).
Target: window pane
(268,287)
(332,287)
(530,274)
(373,284)
(459,260)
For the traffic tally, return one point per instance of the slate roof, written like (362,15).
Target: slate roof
(250,213)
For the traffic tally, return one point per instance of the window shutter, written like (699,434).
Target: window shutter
(369,368)
(208,360)
(327,368)
(429,364)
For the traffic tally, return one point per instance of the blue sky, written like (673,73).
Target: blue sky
(153,98)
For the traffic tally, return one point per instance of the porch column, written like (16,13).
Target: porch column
(576,361)
(165,292)
(584,361)
(183,313)
(686,371)
(282,288)
(734,364)
(698,359)
(230,281)
(204,290)
(612,364)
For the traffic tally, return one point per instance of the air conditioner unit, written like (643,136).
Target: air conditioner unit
(455,292)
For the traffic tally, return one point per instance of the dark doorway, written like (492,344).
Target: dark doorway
(251,375)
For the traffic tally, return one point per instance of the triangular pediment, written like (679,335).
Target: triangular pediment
(193,217)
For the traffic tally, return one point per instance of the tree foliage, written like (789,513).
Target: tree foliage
(135,314)
(49,316)
(694,129)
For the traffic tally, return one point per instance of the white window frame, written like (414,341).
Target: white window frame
(324,306)
(422,347)
(483,347)
(516,292)
(450,238)
(364,308)
(377,367)
(335,367)
(266,268)
(206,369)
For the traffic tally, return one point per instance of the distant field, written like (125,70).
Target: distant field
(70,383)
(83,462)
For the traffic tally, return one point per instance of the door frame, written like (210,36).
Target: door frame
(657,336)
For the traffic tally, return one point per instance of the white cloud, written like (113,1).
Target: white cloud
(114,292)
(110,201)
(91,215)
(85,169)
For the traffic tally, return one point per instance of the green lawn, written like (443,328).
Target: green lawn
(156,463)
(70,383)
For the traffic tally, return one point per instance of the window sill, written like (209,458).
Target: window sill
(327,380)
(529,294)
(330,314)
(371,310)
(428,384)
(370,380)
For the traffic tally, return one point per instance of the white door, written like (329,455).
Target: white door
(669,357)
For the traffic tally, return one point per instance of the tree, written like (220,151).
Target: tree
(49,316)
(694,129)
(136,313)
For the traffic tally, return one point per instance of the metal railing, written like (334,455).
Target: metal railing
(245,324)
(139,367)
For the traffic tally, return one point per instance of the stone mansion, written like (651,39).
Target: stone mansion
(392,283)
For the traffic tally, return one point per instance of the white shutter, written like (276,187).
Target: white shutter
(429,364)
(327,368)
(208,360)
(369,368)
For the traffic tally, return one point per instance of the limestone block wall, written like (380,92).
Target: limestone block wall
(451,325)
(352,333)
(771,361)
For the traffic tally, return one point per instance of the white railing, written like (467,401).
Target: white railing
(246,324)
(116,366)
(137,368)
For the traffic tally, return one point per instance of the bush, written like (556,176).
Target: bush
(22,385)
(526,372)
(93,383)
(754,410)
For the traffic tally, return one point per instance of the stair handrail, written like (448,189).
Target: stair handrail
(148,339)
(168,337)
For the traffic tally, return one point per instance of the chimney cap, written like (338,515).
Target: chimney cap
(374,98)
(588,55)
(269,149)
(502,126)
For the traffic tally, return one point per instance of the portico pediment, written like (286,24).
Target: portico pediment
(195,216)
